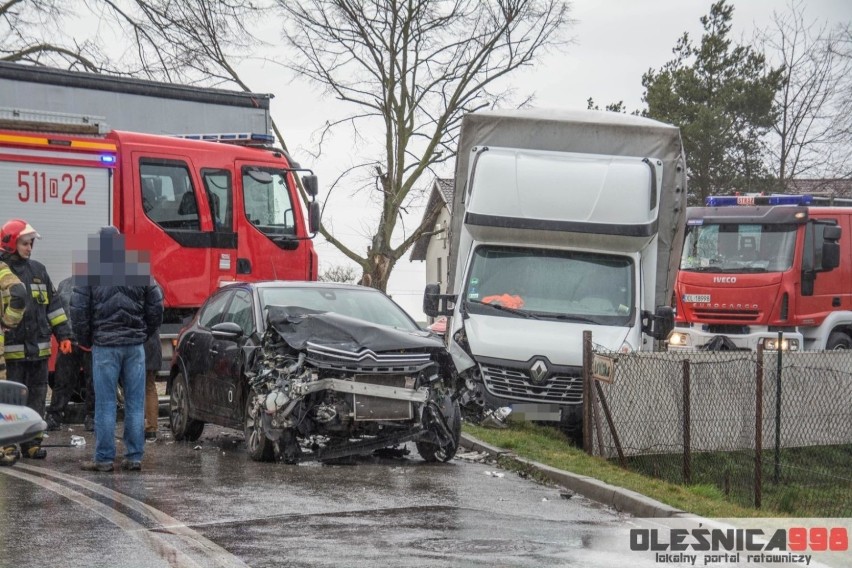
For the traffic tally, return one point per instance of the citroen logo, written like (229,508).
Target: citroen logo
(538,371)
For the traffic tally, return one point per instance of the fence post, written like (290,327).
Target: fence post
(587,392)
(777,476)
(687,421)
(758,429)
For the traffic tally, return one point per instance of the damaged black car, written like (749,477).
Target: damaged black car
(314,371)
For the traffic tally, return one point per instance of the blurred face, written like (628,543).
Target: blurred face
(25,246)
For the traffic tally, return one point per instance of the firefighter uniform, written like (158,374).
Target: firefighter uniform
(12,305)
(27,347)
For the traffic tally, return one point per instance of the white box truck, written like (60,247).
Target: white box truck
(563,221)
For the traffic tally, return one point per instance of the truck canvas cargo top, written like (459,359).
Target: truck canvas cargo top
(601,133)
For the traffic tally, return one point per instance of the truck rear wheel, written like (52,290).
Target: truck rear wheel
(183,427)
(838,340)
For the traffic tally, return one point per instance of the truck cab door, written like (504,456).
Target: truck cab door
(218,187)
(171,220)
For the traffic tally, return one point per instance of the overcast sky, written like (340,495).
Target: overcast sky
(615,42)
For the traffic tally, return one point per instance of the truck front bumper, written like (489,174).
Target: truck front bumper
(696,339)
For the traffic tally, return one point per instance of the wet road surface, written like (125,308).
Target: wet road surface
(208,504)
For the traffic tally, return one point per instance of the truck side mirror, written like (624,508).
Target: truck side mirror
(831,247)
(660,324)
(431,300)
(314,217)
(309,182)
(435,303)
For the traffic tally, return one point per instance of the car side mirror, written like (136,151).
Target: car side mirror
(13,393)
(227,330)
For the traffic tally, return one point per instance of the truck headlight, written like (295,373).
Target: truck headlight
(771,344)
(678,339)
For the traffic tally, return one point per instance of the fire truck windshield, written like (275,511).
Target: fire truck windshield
(266,197)
(550,284)
(738,248)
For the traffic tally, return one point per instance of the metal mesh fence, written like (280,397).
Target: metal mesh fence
(716,420)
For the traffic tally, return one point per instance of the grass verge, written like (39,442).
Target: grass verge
(549,446)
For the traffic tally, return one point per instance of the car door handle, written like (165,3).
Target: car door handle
(214,351)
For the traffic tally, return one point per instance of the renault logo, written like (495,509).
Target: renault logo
(538,371)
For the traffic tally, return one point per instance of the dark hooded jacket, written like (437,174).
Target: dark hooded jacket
(110,307)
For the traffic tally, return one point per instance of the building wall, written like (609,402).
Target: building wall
(439,248)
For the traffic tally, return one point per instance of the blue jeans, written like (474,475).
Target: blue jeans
(108,364)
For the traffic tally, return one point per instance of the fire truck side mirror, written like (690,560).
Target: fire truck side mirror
(830,248)
(309,182)
(314,217)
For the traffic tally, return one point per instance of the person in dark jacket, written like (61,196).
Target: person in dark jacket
(72,372)
(28,345)
(115,308)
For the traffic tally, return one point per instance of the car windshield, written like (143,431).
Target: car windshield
(547,284)
(738,247)
(366,304)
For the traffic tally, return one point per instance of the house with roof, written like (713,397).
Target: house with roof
(434,249)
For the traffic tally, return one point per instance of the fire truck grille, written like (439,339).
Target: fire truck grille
(738,316)
(516,385)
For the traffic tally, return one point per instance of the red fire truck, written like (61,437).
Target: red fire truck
(754,266)
(205,210)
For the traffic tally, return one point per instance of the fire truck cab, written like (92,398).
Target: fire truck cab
(204,211)
(754,267)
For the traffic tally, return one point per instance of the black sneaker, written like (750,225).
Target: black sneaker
(150,436)
(53,422)
(97,466)
(89,423)
(127,465)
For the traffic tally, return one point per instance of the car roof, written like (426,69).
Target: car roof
(299,284)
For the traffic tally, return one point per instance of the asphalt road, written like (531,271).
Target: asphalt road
(208,504)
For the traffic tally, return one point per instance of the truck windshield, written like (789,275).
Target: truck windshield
(738,248)
(266,197)
(548,284)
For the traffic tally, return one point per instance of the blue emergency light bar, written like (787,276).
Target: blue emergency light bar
(732,200)
(236,137)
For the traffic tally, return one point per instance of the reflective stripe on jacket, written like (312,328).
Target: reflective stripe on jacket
(43,314)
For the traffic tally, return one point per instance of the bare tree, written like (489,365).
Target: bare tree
(411,70)
(30,32)
(340,273)
(811,137)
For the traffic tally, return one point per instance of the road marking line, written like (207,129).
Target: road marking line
(212,551)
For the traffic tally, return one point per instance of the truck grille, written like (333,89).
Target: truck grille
(739,316)
(515,384)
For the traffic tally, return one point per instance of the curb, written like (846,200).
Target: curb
(620,499)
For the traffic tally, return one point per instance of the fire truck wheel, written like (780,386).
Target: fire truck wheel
(838,340)
(183,427)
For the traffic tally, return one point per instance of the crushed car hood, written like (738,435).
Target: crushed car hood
(298,326)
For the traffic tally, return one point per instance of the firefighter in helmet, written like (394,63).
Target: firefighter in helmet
(13,301)
(27,346)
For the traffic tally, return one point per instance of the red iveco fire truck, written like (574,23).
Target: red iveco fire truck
(206,211)
(754,266)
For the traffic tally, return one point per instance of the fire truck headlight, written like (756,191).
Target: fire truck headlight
(771,344)
(678,339)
